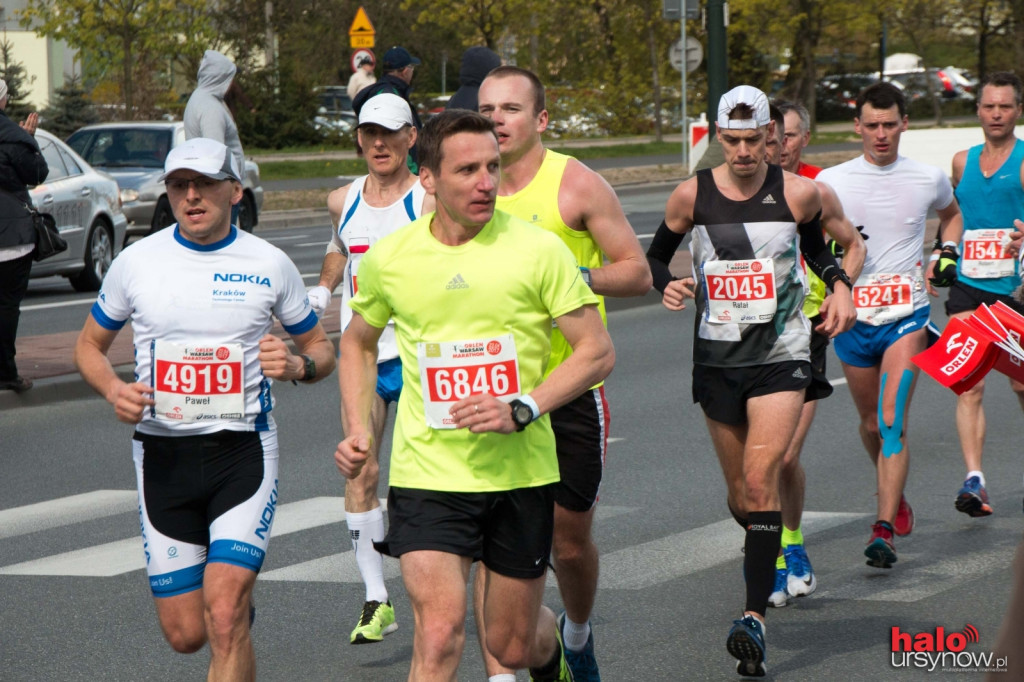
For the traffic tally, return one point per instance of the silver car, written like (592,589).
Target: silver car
(85,204)
(134,152)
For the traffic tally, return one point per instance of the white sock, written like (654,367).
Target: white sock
(574,635)
(978,474)
(364,528)
(504,677)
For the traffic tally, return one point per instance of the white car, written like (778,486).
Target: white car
(86,206)
(133,152)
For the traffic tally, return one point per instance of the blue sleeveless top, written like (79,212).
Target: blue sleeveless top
(992,203)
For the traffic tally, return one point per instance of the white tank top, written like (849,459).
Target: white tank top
(361,226)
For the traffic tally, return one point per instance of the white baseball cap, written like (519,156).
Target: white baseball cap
(386,110)
(753,98)
(202,155)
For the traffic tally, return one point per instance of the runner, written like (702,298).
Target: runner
(473,293)
(751,345)
(563,196)
(794,575)
(890,195)
(797,135)
(988,179)
(205,448)
(369,208)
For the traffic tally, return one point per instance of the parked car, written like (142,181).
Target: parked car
(837,94)
(133,152)
(85,204)
(916,84)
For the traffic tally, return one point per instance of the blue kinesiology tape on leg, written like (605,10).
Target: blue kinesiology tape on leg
(892,433)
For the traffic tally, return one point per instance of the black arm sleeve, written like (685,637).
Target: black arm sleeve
(817,254)
(659,255)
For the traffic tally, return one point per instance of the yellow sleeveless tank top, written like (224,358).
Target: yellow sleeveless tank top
(537,203)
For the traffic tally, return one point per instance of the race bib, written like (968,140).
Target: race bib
(740,291)
(357,248)
(985,255)
(453,370)
(198,382)
(882,298)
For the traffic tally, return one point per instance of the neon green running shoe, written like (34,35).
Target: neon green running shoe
(377,620)
(564,671)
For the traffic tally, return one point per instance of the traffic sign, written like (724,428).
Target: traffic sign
(694,54)
(358,55)
(361,33)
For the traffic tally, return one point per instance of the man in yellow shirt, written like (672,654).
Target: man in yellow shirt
(473,293)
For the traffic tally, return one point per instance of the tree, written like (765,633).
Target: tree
(131,38)
(70,110)
(16,77)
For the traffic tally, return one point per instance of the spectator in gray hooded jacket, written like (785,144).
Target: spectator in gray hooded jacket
(207,115)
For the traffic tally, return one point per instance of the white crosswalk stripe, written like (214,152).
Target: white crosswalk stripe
(636,567)
(66,510)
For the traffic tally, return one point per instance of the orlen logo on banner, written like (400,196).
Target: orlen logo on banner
(967,348)
(941,650)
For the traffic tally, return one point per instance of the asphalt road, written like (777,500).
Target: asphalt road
(75,605)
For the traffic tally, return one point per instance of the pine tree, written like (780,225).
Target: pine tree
(69,111)
(17,79)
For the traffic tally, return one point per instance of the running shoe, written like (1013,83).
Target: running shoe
(746,643)
(564,671)
(582,663)
(973,498)
(904,522)
(779,596)
(800,580)
(880,551)
(377,620)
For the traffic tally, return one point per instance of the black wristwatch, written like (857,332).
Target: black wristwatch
(522,414)
(309,368)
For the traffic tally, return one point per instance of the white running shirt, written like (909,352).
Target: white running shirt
(361,227)
(892,203)
(225,293)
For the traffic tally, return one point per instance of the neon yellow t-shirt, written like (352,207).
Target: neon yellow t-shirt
(537,203)
(815,294)
(512,278)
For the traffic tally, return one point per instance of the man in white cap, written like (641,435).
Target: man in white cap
(202,298)
(388,197)
(751,348)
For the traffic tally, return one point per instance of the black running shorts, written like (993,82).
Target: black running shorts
(581,440)
(723,391)
(509,530)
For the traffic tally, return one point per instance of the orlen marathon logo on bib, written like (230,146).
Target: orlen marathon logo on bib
(941,650)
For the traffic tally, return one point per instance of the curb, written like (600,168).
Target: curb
(67,387)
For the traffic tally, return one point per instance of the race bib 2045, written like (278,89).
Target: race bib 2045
(740,291)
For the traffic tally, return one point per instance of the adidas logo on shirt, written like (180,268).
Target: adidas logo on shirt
(457,283)
(768,200)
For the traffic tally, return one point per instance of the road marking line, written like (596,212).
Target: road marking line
(122,556)
(65,511)
(674,556)
(342,567)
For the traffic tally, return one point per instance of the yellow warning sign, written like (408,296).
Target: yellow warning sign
(361,33)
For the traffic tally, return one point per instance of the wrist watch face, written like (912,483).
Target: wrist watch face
(310,366)
(521,413)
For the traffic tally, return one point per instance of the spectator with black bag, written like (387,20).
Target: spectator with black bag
(21,166)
